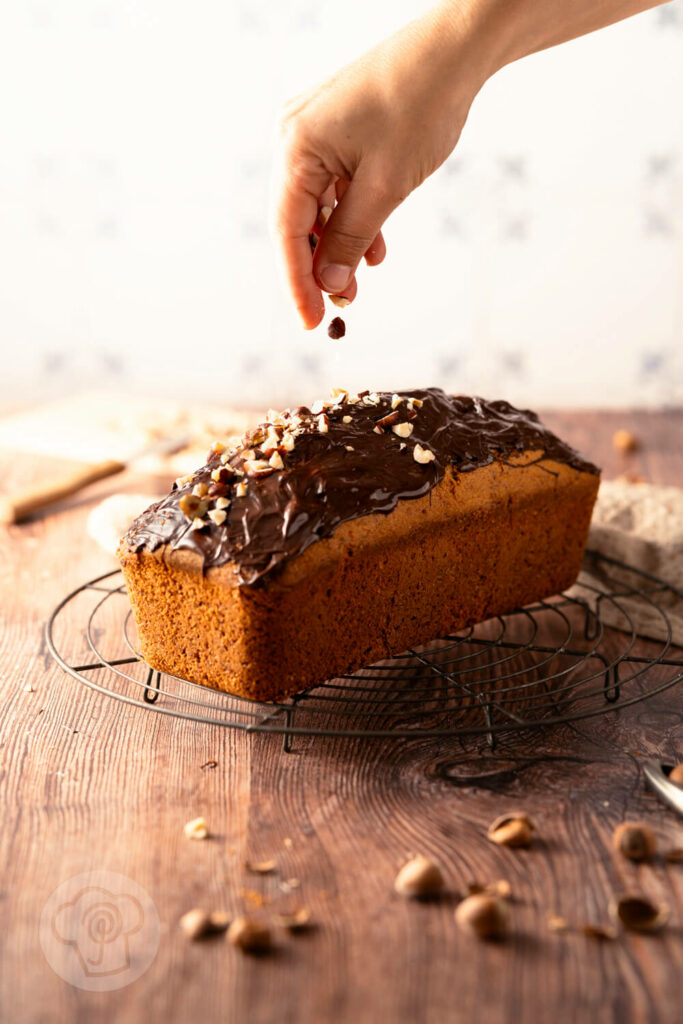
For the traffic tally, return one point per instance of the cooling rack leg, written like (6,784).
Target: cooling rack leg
(488,715)
(289,724)
(613,692)
(151,694)
(591,625)
(287,736)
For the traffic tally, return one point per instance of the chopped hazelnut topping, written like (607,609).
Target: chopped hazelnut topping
(287,442)
(339,300)
(388,420)
(197,524)
(276,461)
(423,455)
(222,502)
(378,430)
(325,214)
(248,455)
(225,458)
(199,490)
(218,447)
(353,399)
(192,506)
(396,401)
(216,475)
(318,407)
(372,399)
(323,424)
(218,515)
(416,401)
(346,419)
(218,490)
(402,446)
(349,448)
(403,429)
(259,467)
(241,489)
(182,480)
(272,415)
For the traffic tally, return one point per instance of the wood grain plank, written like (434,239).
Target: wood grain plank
(89,783)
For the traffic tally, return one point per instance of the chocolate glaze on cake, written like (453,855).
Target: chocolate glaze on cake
(338,471)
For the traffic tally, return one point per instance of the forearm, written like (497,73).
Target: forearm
(502,31)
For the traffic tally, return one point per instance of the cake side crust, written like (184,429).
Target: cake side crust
(478,544)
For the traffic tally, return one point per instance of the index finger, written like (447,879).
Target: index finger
(296,209)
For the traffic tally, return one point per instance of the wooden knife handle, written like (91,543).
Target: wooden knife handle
(15,508)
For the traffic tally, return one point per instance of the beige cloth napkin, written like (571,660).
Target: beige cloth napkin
(641,525)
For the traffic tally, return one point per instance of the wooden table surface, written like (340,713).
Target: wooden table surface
(89,783)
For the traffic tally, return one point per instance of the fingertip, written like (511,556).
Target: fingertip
(376,251)
(312,314)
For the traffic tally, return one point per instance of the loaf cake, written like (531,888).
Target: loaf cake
(333,536)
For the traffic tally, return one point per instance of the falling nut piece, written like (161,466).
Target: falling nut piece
(639,914)
(634,840)
(419,878)
(196,829)
(513,830)
(339,300)
(249,935)
(676,775)
(485,916)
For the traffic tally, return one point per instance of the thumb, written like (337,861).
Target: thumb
(352,228)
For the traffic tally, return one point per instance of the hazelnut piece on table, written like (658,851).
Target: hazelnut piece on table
(624,441)
(639,914)
(197,923)
(249,935)
(634,840)
(485,916)
(513,830)
(419,878)
(196,829)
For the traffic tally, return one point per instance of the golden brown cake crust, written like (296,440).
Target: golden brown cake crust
(478,544)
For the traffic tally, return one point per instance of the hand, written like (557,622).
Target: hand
(362,141)
(360,144)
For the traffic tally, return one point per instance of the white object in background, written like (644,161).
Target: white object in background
(641,525)
(109,520)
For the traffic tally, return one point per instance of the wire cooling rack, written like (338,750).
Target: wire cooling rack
(556,661)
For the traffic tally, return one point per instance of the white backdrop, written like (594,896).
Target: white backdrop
(542,263)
